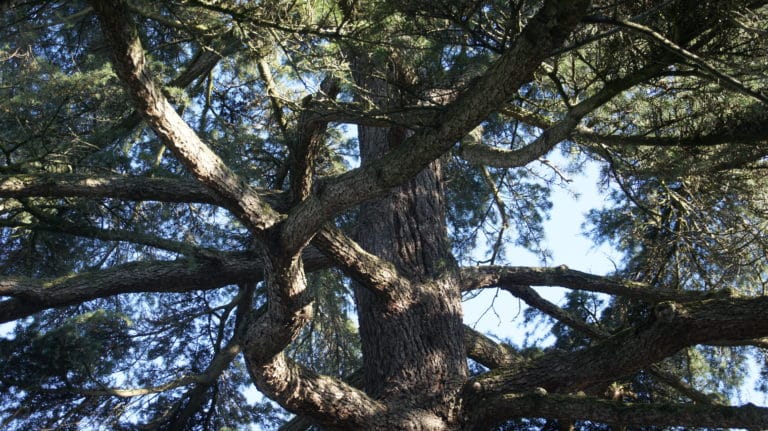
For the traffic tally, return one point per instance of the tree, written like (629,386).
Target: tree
(186,210)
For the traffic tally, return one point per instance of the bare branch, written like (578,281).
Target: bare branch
(533,299)
(373,272)
(487,352)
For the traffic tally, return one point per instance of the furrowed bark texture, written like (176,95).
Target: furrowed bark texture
(412,339)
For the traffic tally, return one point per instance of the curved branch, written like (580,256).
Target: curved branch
(476,153)
(498,409)
(376,274)
(129,63)
(322,399)
(673,327)
(488,352)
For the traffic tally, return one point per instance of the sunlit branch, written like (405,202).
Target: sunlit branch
(300,423)
(200,65)
(498,409)
(373,272)
(322,399)
(129,63)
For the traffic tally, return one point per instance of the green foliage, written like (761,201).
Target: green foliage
(683,160)
(82,347)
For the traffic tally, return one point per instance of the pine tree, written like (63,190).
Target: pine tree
(199,196)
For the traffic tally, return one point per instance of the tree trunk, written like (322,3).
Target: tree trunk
(413,352)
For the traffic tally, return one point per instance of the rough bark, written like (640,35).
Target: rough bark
(413,350)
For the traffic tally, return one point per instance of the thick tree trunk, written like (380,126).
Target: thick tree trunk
(412,346)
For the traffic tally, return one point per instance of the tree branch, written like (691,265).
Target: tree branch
(479,277)
(322,399)
(476,153)
(533,299)
(376,274)
(721,77)
(545,31)
(113,186)
(487,352)
(498,409)
(59,225)
(309,141)
(29,296)
(129,63)
(673,327)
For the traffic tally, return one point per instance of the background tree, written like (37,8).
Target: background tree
(197,196)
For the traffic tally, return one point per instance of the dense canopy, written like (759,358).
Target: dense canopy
(202,196)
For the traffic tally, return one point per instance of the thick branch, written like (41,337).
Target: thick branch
(498,409)
(114,186)
(674,326)
(322,399)
(129,63)
(199,66)
(30,296)
(545,31)
(487,352)
(533,299)
(373,272)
